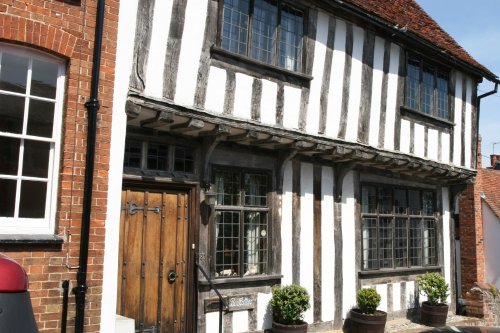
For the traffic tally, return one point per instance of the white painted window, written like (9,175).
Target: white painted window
(31,101)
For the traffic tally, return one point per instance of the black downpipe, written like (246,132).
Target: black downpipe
(92,108)
(65,286)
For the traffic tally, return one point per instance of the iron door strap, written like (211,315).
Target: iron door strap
(133,208)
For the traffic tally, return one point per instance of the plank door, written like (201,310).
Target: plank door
(152,281)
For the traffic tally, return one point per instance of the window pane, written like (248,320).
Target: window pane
(157,157)
(401,243)
(40,118)
(442,90)
(33,197)
(428,91)
(227,187)
(184,159)
(255,190)
(385,242)
(8,189)
(412,84)
(415,242)
(11,113)
(428,203)
(400,203)
(385,200)
(133,152)
(13,73)
(36,158)
(227,233)
(9,155)
(265,18)
(369,235)
(430,255)
(255,243)
(291,32)
(414,202)
(369,199)
(44,79)
(235,26)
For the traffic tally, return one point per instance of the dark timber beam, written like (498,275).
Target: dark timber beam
(132,110)
(217,131)
(188,126)
(162,118)
(248,135)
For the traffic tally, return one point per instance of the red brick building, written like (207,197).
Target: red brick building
(46,59)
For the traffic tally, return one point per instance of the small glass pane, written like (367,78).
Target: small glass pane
(227,247)
(369,243)
(184,159)
(227,187)
(33,198)
(385,200)
(400,203)
(415,242)
(8,188)
(40,118)
(133,153)
(265,21)
(9,155)
(291,32)
(235,26)
(428,91)
(385,242)
(11,114)
(430,255)
(157,157)
(400,243)
(255,190)
(442,90)
(36,158)
(255,243)
(414,202)
(412,84)
(428,203)
(369,199)
(44,79)
(13,73)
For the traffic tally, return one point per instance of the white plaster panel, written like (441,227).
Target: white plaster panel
(158,48)
(334,108)
(396,296)
(445,147)
(382,290)
(419,141)
(491,225)
(240,321)
(392,96)
(189,58)
(307,233)
(446,236)
(216,89)
(286,226)
(268,102)
(264,315)
(404,143)
(410,295)
(351,133)
(212,322)
(468,124)
(291,107)
(327,245)
(348,244)
(457,142)
(243,96)
(432,144)
(313,109)
(123,68)
(376,101)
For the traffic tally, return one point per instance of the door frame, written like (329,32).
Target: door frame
(193,191)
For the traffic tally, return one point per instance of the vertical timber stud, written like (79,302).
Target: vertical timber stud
(296,165)
(92,108)
(317,243)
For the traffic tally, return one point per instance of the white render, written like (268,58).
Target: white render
(396,296)
(446,237)
(216,88)
(268,102)
(432,144)
(355,85)
(445,147)
(378,75)
(491,230)
(348,232)
(382,290)
(243,96)
(286,226)
(392,97)
(291,107)
(327,245)
(404,144)
(468,123)
(240,321)
(419,140)
(457,142)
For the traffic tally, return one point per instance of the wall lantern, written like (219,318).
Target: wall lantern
(207,205)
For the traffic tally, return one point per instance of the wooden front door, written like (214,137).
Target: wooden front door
(153,276)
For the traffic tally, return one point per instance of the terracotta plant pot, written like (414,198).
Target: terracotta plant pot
(367,323)
(433,315)
(282,328)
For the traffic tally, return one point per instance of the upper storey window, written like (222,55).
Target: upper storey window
(427,89)
(265,30)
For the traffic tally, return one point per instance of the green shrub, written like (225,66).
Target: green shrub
(368,300)
(434,286)
(289,304)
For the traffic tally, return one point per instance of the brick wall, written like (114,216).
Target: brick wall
(67,30)
(483,301)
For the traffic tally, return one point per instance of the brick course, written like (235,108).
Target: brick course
(67,31)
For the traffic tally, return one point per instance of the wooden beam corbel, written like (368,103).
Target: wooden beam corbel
(162,118)
(207,148)
(340,170)
(284,156)
(191,125)
(132,110)
(248,135)
(219,130)
(272,139)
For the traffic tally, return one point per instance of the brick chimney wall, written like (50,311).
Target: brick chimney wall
(495,161)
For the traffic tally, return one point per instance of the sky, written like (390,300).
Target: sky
(475,25)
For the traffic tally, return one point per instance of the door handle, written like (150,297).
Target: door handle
(171,276)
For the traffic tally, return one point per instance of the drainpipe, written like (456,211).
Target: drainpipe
(494,91)
(92,106)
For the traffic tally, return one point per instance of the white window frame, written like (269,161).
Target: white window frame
(46,225)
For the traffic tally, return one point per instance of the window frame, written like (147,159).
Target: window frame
(438,71)
(394,217)
(247,57)
(242,209)
(45,225)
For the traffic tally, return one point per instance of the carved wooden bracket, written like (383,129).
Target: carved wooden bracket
(340,170)
(284,156)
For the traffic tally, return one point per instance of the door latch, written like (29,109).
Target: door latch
(133,209)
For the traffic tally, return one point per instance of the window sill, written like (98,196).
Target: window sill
(398,272)
(230,60)
(32,239)
(261,279)
(417,115)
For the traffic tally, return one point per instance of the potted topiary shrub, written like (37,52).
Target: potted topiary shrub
(366,318)
(435,310)
(288,305)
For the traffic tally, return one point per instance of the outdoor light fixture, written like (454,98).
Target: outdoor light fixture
(207,205)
